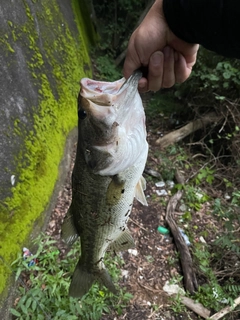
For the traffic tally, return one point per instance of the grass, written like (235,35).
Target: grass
(43,288)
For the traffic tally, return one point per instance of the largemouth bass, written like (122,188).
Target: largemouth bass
(111,156)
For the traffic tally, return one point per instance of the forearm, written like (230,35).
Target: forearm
(213,23)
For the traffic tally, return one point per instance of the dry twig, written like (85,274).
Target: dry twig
(225,310)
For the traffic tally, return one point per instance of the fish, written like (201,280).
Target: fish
(111,155)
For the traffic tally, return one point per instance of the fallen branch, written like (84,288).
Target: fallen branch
(189,277)
(196,307)
(225,310)
(193,126)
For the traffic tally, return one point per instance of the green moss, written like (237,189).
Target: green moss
(7,44)
(86,27)
(56,68)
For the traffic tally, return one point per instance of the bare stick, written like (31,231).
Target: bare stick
(193,126)
(189,277)
(226,310)
(196,307)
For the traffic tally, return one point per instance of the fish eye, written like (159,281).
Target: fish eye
(82,114)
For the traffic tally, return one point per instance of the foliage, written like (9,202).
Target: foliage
(229,213)
(213,77)
(115,22)
(194,197)
(106,70)
(176,304)
(211,294)
(45,296)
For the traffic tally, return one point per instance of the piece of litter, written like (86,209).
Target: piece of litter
(163,230)
(226,196)
(170,184)
(173,289)
(161,193)
(125,273)
(27,253)
(13,180)
(185,237)
(201,239)
(183,207)
(133,251)
(160,184)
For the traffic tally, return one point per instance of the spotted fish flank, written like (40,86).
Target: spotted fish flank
(111,156)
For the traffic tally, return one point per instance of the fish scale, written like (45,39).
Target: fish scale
(111,156)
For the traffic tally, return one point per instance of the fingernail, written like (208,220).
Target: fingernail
(141,85)
(156,58)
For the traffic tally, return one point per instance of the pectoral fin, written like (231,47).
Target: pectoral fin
(115,190)
(69,233)
(124,242)
(139,194)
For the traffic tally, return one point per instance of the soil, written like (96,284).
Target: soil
(154,260)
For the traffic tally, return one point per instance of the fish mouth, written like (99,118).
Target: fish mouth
(98,90)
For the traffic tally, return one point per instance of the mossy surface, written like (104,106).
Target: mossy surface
(57,58)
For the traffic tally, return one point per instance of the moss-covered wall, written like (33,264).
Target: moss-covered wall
(44,54)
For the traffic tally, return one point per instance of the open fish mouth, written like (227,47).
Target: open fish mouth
(93,88)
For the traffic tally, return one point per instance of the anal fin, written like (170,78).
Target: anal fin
(124,242)
(69,233)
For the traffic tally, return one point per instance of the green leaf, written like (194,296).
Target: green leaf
(15,312)
(226,75)
(34,305)
(24,309)
(28,302)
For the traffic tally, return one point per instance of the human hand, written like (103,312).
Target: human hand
(153,45)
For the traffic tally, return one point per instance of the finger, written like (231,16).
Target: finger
(168,68)
(132,61)
(191,55)
(155,71)
(143,85)
(182,70)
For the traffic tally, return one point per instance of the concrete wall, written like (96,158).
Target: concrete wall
(43,55)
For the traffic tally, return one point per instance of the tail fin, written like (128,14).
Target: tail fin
(83,279)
